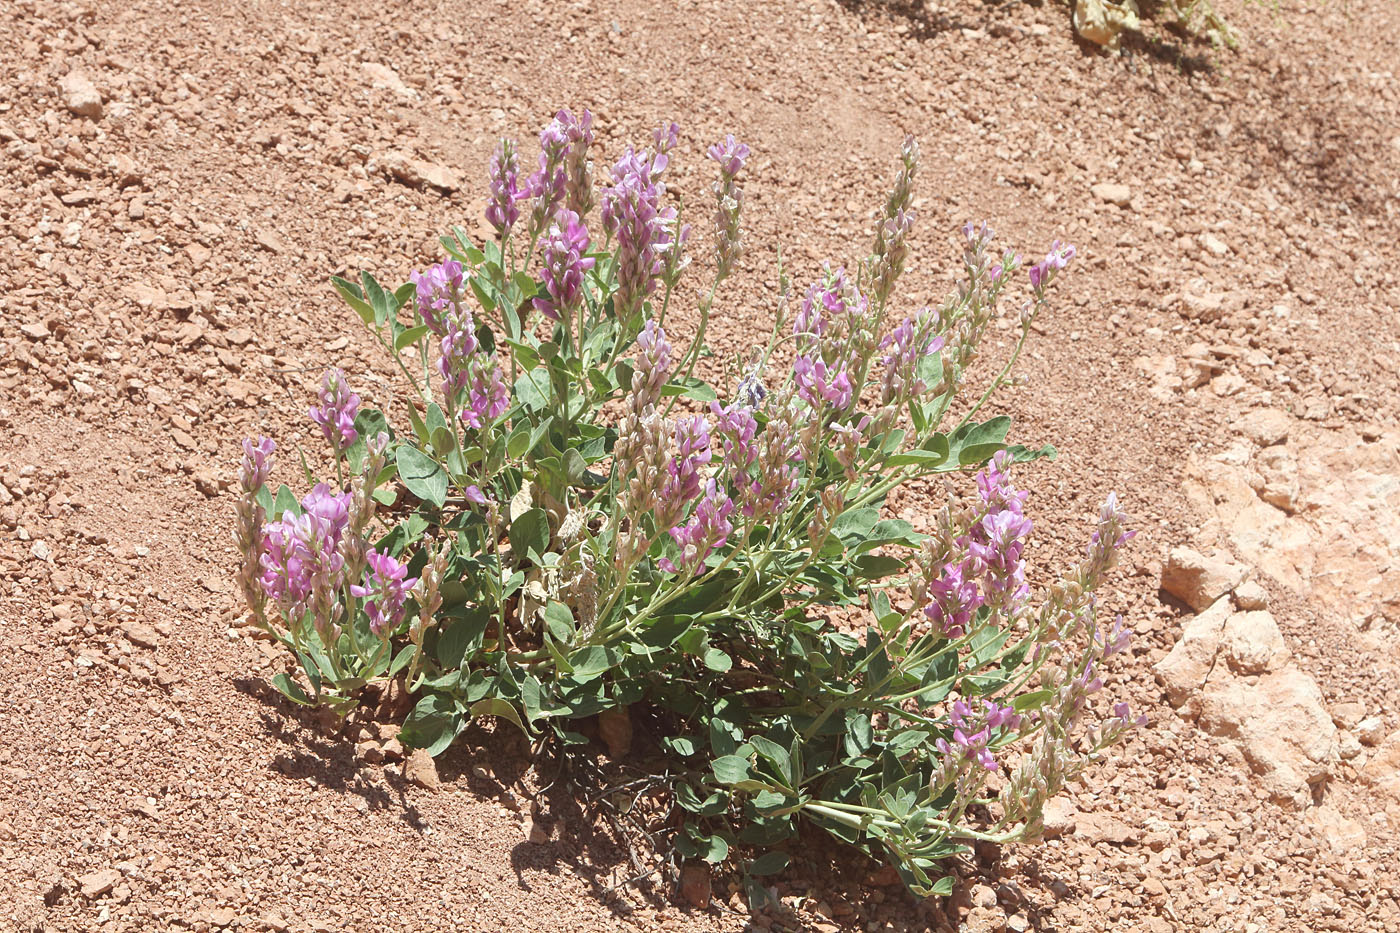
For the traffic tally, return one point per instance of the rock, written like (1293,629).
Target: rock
(1278,474)
(1265,426)
(1253,643)
(1347,715)
(1214,245)
(1200,581)
(1371,731)
(695,884)
(1184,670)
(393,750)
(99,882)
(419,769)
(1202,306)
(222,917)
(1348,745)
(1382,769)
(1250,595)
(1279,724)
(1345,481)
(1111,193)
(36,330)
(1059,817)
(80,96)
(370,752)
(385,78)
(615,728)
(1340,832)
(1104,827)
(417,173)
(270,241)
(141,634)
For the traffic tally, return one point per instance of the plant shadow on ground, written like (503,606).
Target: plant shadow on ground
(495,761)
(560,795)
(317,751)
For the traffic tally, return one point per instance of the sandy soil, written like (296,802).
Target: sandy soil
(163,293)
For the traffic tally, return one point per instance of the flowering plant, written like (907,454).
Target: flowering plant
(562,523)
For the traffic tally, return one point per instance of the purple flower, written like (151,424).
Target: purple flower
(549,184)
(665,138)
(474,494)
(952,601)
(578,193)
(439,290)
(336,414)
(1118,639)
(737,428)
(1059,256)
(904,348)
(750,392)
(301,561)
(999,717)
(817,383)
(384,590)
(648,238)
(692,455)
(709,527)
(729,199)
(459,347)
(256,465)
(565,262)
(730,154)
(489,396)
(971,744)
(653,365)
(503,210)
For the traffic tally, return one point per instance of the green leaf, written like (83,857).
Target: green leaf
(768,863)
(378,300)
(285,502)
(495,706)
(854,525)
(289,689)
(422,475)
(859,733)
(717,660)
(978,454)
(730,769)
(409,337)
(354,298)
(560,621)
(942,887)
(695,389)
(876,566)
(530,530)
(591,662)
(1020,454)
(1033,700)
(433,724)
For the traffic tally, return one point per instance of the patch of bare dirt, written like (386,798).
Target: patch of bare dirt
(179,180)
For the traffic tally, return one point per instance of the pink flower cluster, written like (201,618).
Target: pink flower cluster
(336,413)
(472,383)
(566,260)
(649,237)
(972,732)
(385,589)
(991,570)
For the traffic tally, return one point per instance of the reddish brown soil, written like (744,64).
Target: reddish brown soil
(167,263)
